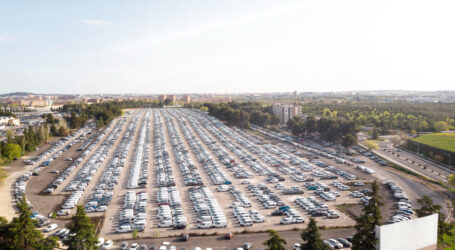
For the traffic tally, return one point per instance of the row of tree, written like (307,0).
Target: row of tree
(22,233)
(54,131)
(6,113)
(336,130)
(243,114)
(420,117)
(101,113)
(16,145)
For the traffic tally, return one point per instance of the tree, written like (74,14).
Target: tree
(311,124)
(74,121)
(50,118)
(12,151)
(375,134)
(22,232)
(312,238)
(53,130)
(275,242)
(349,140)
(62,131)
(427,207)
(365,238)
(275,120)
(100,123)
(82,232)
(370,144)
(167,102)
(9,136)
(441,126)
(451,180)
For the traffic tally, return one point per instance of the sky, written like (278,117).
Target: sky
(226,46)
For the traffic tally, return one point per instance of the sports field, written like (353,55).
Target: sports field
(438,140)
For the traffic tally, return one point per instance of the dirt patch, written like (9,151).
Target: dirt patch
(387,209)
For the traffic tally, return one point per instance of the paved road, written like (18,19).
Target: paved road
(218,242)
(417,163)
(413,162)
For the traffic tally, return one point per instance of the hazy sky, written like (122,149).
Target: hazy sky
(226,46)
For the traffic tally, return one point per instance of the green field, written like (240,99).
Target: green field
(438,140)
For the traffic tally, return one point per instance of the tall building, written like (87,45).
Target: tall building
(161,98)
(286,112)
(172,98)
(186,99)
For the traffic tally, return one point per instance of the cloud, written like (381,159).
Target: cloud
(7,39)
(94,22)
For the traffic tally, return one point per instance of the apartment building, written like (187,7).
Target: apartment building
(9,121)
(162,98)
(186,99)
(286,112)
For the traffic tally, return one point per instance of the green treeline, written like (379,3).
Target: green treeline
(336,130)
(17,145)
(101,113)
(243,114)
(421,117)
(22,232)
(6,113)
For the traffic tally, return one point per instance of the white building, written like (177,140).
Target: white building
(9,121)
(286,112)
(420,233)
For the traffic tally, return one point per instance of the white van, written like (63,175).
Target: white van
(220,224)
(205,224)
(123,229)
(165,223)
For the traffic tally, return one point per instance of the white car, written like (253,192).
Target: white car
(108,244)
(134,246)
(50,227)
(286,220)
(100,242)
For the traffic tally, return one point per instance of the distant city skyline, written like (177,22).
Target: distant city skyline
(226,47)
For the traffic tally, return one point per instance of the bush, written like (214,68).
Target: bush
(12,151)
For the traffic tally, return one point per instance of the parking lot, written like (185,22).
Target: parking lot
(168,172)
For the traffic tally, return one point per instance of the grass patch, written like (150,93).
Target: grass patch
(3,175)
(409,172)
(347,209)
(4,161)
(405,170)
(443,141)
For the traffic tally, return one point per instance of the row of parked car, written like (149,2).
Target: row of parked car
(246,218)
(214,171)
(86,173)
(403,204)
(214,127)
(58,147)
(133,215)
(313,148)
(101,197)
(61,145)
(164,174)
(265,196)
(239,171)
(315,208)
(64,174)
(208,211)
(170,212)
(190,172)
(139,170)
